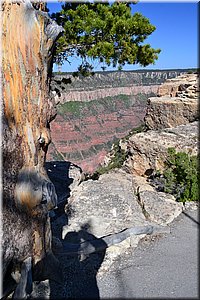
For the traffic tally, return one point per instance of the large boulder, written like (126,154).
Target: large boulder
(147,151)
(105,206)
(114,203)
(168,111)
(159,207)
(111,204)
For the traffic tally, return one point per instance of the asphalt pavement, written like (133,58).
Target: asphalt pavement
(161,267)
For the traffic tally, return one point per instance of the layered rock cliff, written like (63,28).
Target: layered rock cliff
(109,84)
(147,151)
(175,104)
(94,112)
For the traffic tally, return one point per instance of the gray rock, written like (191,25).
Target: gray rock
(105,206)
(160,208)
(163,112)
(117,201)
(111,204)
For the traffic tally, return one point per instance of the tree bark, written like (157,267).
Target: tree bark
(28,37)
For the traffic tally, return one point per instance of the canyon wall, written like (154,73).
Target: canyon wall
(108,84)
(95,112)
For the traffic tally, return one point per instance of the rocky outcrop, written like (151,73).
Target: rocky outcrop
(159,207)
(147,150)
(176,103)
(113,203)
(184,86)
(170,112)
(106,214)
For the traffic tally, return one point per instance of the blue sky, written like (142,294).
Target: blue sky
(176,34)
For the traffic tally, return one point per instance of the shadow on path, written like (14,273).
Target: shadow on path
(79,270)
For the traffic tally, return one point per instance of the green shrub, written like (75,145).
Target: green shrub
(181,176)
(116,162)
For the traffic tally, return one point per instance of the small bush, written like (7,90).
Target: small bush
(181,176)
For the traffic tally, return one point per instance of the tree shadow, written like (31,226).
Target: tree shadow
(58,172)
(79,270)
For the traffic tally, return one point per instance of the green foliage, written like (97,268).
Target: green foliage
(118,158)
(181,176)
(193,71)
(106,32)
(73,107)
(109,104)
(190,72)
(78,109)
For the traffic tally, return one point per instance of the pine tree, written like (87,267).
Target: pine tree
(104,32)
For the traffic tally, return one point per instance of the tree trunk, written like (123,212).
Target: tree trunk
(28,37)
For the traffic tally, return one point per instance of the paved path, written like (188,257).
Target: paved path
(166,267)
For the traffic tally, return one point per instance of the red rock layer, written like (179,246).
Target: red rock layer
(85,141)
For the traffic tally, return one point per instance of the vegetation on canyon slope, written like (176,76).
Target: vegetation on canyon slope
(180,176)
(107,104)
(105,32)
(117,160)
(117,154)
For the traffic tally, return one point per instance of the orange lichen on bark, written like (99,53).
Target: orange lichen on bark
(25,75)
